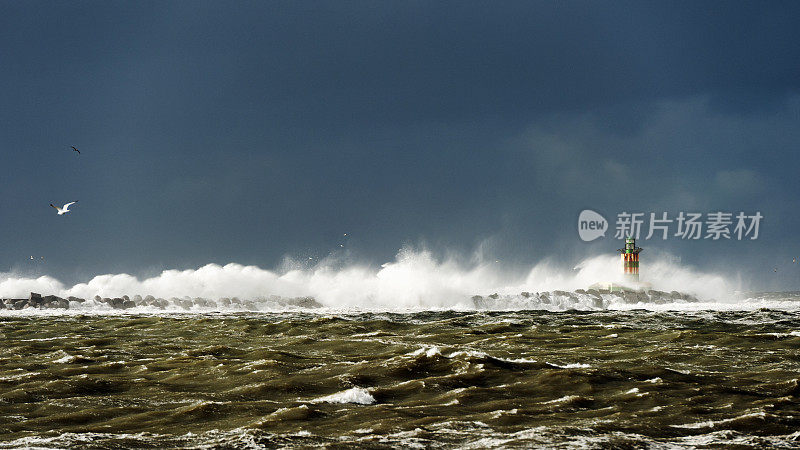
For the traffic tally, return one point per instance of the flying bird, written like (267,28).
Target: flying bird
(79,152)
(63,210)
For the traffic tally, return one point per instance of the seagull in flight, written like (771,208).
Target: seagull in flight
(79,152)
(64,209)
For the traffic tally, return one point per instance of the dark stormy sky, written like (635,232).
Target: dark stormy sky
(250,131)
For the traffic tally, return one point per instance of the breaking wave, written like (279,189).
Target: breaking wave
(415,280)
(359,396)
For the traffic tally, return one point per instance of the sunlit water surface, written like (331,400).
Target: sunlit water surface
(627,378)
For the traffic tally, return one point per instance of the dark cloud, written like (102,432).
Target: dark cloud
(244,131)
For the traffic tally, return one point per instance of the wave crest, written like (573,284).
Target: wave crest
(415,280)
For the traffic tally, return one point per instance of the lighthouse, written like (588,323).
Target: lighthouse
(630,260)
(630,271)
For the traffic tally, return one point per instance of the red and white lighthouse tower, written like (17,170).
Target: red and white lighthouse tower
(630,260)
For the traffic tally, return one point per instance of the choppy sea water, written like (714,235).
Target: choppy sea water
(634,378)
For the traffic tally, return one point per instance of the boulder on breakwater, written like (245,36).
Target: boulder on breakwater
(39,301)
(580,298)
(36,300)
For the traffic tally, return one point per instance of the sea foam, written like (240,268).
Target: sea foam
(357,395)
(415,280)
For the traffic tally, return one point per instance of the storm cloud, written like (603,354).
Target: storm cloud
(217,132)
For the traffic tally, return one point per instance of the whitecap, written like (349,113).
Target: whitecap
(571,366)
(565,398)
(357,395)
(66,359)
(430,352)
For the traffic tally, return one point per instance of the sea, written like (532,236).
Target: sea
(681,374)
(417,353)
